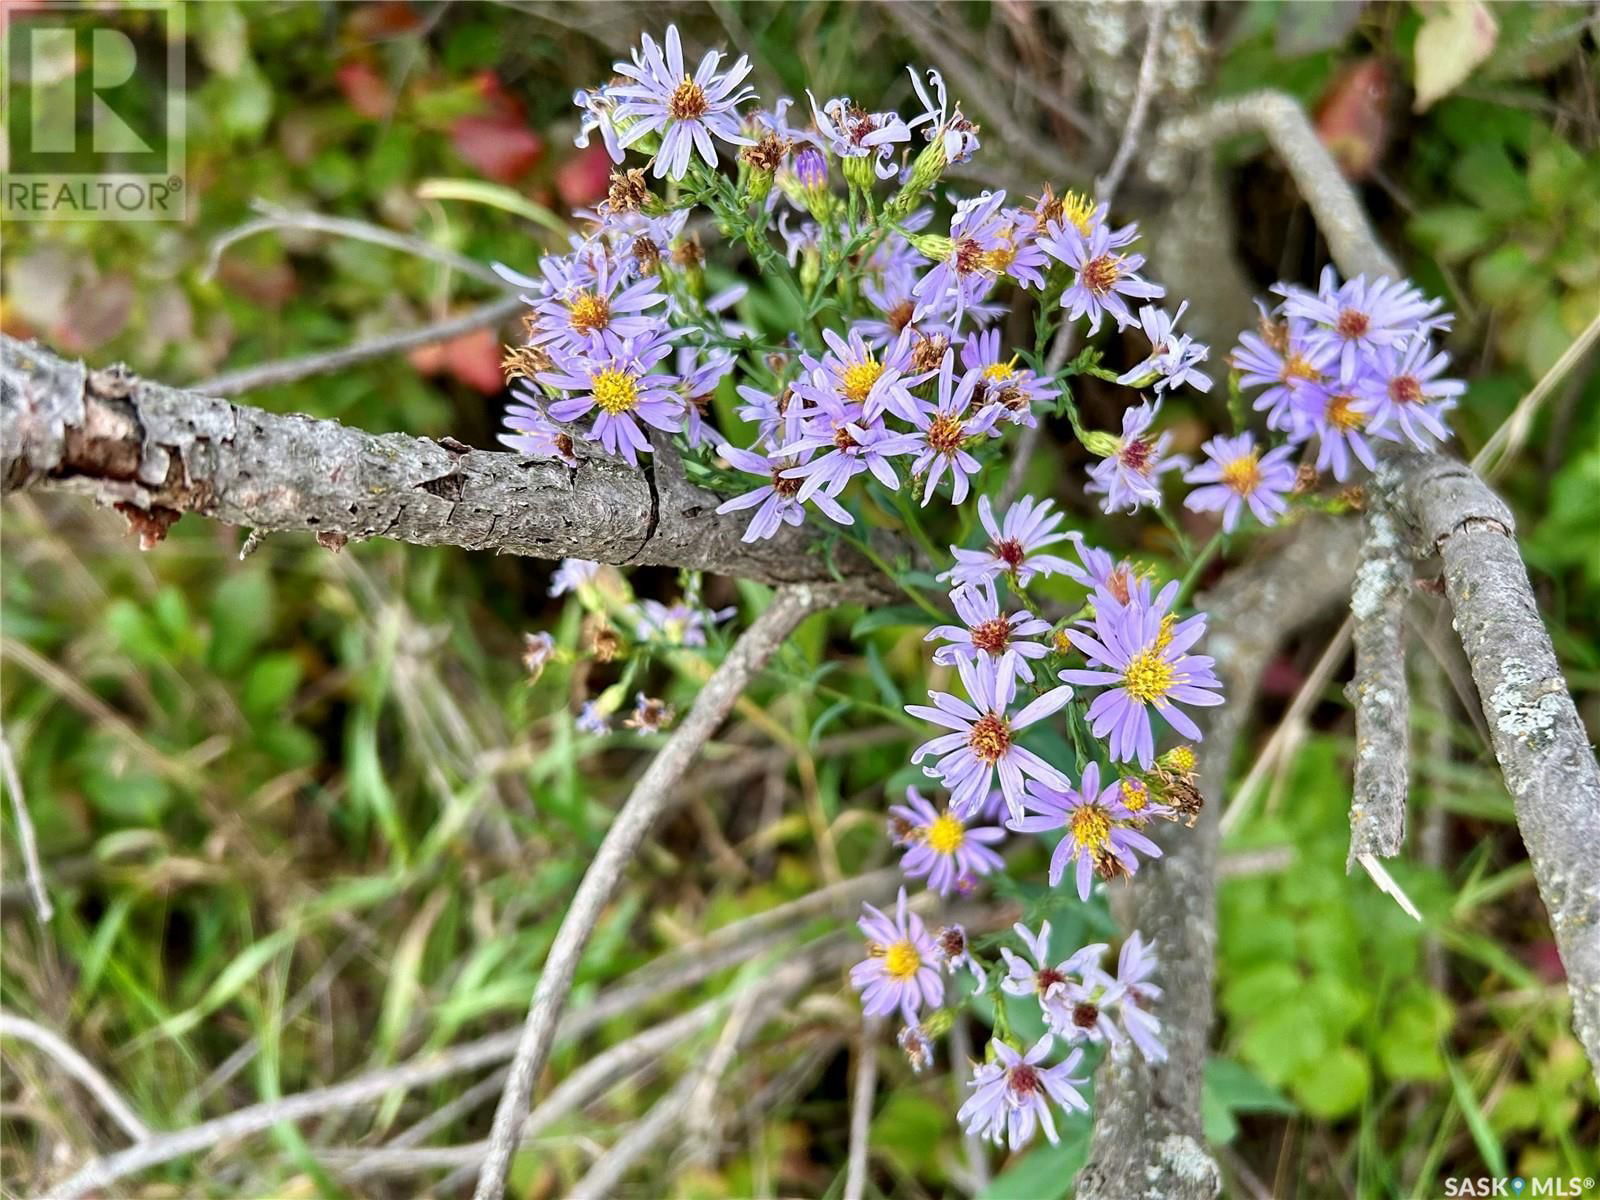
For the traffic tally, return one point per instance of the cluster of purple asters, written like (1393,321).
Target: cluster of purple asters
(1350,363)
(900,375)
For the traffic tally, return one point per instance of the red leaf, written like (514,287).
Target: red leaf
(365,90)
(584,177)
(498,147)
(473,358)
(1352,117)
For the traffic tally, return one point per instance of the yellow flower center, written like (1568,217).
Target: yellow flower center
(588,312)
(902,960)
(688,101)
(1243,474)
(1296,367)
(1134,795)
(857,379)
(1148,676)
(615,391)
(1079,210)
(1000,372)
(1342,415)
(1091,827)
(1001,257)
(1181,758)
(946,834)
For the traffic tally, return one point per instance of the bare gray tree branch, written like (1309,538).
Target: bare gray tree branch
(1379,692)
(80,1068)
(156,452)
(1542,746)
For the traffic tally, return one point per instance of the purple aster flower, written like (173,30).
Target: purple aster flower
(537,650)
(699,371)
(638,241)
(649,715)
(533,433)
(850,443)
(917,1046)
(979,253)
(776,415)
(1015,544)
(944,433)
(1015,390)
(985,633)
(685,111)
(955,953)
(615,378)
(1238,474)
(591,720)
(941,846)
(572,574)
(1358,317)
(984,739)
(677,623)
(1403,388)
(1082,1014)
(853,132)
(1173,359)
(855,372)
(1280,358)
(778,499)
(1098,836)
(1131,994)
(1342,420)
(599,112)
(1131,476)
(578,312)
(901,970)
(1011,1095)
(1140,653)
(1101,276)
(957,136)
(1040,979)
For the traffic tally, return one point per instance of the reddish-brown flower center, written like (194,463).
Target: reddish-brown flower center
(843,438)
(784,487)
(1023,1079)
(898,317)
(969,256)
(1084,1015)
(1405,390)
(990,737)
(1010,552)
(952,942)
(992,636)
(1353,323)
(1136,454)
(1046,978)
(1100,274)
(688,101)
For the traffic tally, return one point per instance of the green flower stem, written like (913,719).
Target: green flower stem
(1191,578)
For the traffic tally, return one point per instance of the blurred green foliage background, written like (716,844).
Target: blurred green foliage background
(310,804)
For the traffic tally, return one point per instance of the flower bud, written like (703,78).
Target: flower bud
(1100,443)
(858,173)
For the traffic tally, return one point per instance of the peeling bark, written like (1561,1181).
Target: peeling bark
(157,452)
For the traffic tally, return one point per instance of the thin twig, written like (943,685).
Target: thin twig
(861,1098)
(1106,187)
(288,370)
(361,231)
(80,1068)
(25,837)
(977,1157)
(650,795)
(1281,119)
(1506,440)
